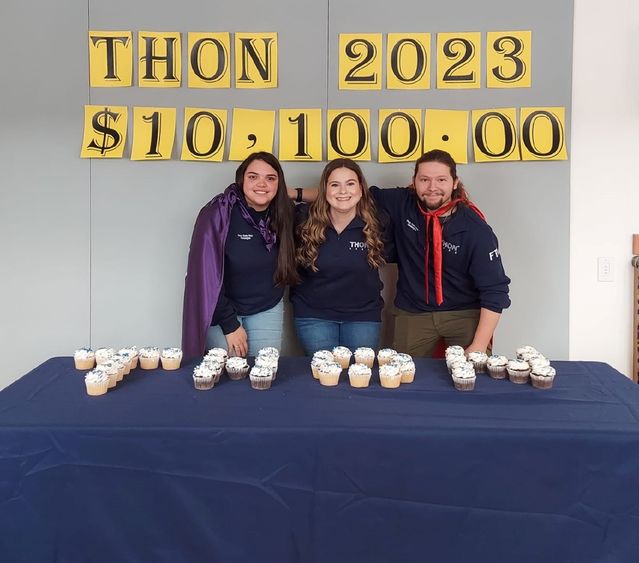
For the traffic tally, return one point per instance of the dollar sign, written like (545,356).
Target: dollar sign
(100,124)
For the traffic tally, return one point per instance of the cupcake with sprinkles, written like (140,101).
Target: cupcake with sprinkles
(149,357)
(84,358)
(96,382)
(171,358)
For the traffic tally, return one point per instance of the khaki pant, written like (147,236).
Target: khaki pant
(417,334)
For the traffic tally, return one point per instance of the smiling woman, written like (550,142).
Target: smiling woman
(339,251)
(241,258)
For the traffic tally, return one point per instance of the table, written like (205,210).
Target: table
(157,471)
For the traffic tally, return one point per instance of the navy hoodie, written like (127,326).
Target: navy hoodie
(472,270)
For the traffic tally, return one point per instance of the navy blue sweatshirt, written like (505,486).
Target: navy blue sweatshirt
(472,271)
(346,287)
(249,267)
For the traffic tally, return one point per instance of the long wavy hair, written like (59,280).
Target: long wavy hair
(281,217)
(438,155)
(311,233)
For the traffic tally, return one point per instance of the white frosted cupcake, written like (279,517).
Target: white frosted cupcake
(203,377)
(171,358)
(111,371)
(132,353)
(261,378)
(269,351)
(220,354)
(538,361)
(406,371)
(385,355)
(526,352)
(124,360)
(454,351)
(268,362)
(149,357)
(389,375)
(359,375)
(455,361)
(365,356)
(478,360)
(315,365)
(84,358)
(342,356)
(97,382)
(329,373)
(518,371)
(464,378)
(496,366)
(237,368)
(542,377)
(103,355)
(118,363)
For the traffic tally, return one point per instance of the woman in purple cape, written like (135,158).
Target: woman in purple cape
(241,258)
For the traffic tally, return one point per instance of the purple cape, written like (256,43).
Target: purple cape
(205,267)
(205,271)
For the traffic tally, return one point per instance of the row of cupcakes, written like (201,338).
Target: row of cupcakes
(147,358)
(394,368)
(529,366)
(264,371)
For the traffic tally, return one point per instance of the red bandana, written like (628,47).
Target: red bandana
(437,243)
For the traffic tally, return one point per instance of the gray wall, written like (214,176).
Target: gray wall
(94,252)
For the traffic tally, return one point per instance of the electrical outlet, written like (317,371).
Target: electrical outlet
(605,271)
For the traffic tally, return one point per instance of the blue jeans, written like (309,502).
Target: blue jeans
(319,334)
(263,329)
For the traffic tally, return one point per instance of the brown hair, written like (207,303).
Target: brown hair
(311,233)
(281,218)
(438,155)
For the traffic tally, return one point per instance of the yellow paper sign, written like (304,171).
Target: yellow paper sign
(447,130)
(159,59)
(153,133)
(300,134)
(543,133)
(204,134)
(458,60)
(495,135)
(348,133)
(360,61)
(408,61)
(209,57)
(253,131)
(110,58)
(256,60)
(104,131)
(400,135)
(508,59)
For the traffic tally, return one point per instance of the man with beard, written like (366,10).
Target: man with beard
(451,283)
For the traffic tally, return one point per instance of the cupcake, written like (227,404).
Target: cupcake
(542,377)
(203,377)
(269,351)
(97,382)
(261,378)
(342,356)
(171,358)
(526,352)
(149,357)
(496,366)
(478,359)
(385,355)
(464,378)
(329,373)
(518,371)
(454,351)
(407,371)
(389,375)
(219,354)
(365,356)
(111,370)
(84,358)
(538,361)
(102,355)
(325,355)
(316,363)
(359,375)
(237,368)
(454,361)
(268,362)
(132,353)
(120,365)
(124,360)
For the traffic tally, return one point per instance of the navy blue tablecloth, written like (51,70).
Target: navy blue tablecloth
(157,471)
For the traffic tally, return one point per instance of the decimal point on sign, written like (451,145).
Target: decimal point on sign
(445,137)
